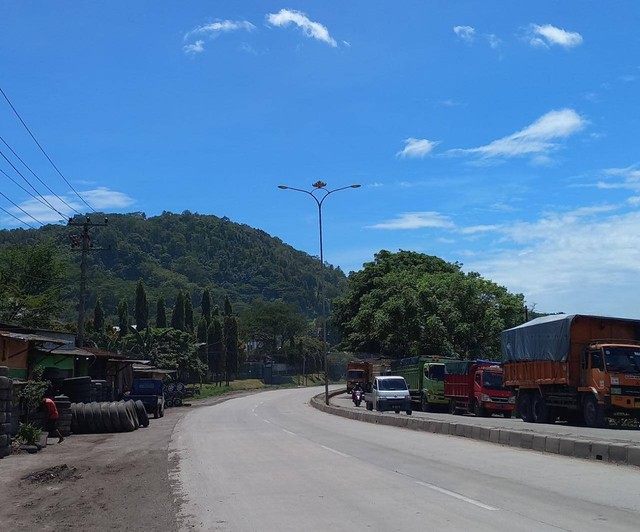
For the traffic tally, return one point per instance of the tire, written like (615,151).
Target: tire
(171,387)
(98,423)
(142,414)
(169,402)
(593,412)
(106,417)
(409,412)
(369,405)
(478,411)
(539,409)
(180,387)
(525,407)
(452,407)
(133,414)
(396,410)
(177,401)
(507,415)
(162,411)
(126,422)
(424,404)
(114,417)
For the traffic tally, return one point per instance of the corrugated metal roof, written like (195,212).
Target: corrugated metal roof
(25,337)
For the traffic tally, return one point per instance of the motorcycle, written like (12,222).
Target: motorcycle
(357,396)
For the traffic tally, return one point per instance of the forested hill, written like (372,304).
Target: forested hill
(188,252)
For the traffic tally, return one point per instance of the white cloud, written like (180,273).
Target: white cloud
(475,229)
(417,148)
(100,198)
(583,261)
(221,26)
(211,31)
(548,35)
(315,30)
(625,178)
(537,138)
(194,48)
(415,220)
(466,33)
(494,41)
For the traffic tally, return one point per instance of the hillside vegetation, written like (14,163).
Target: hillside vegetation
(187,252)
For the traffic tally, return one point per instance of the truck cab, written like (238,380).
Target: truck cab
(490,394)
(389,393)
(433,386)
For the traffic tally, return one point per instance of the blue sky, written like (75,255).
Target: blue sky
(500,135)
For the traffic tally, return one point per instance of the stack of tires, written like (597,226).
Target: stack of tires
(100,391)
(77,389)
(63,404)
(174,393)
(97,417)
(6,385)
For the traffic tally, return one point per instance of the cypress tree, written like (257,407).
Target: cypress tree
(161,313)
(215,349)
(206,306)
(188,312)
(201,335)
(141,310)
(98,317)
(230,333)
(177,316)
(228,311)
(123,317)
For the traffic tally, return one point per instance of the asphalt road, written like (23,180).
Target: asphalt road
(270,462)
(613,434)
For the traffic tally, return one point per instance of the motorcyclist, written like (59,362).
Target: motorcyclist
(356,388)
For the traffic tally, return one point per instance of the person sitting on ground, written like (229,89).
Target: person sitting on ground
(51,419)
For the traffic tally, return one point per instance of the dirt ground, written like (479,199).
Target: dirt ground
(95,482)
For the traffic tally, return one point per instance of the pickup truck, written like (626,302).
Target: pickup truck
(151,393)
(389,393)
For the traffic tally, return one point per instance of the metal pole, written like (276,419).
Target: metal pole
(321,186)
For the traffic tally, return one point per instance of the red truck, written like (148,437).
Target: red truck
(477,386)
(358,372)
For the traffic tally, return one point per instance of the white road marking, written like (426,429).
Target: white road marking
(267,421)
(457,496)
(334,451)
(289,432)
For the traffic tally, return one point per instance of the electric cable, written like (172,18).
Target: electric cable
(20,208)
(21,221)
(38,178)
(43,151)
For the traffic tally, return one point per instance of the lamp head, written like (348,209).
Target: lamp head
(283,187)
(319,184)
(355,186)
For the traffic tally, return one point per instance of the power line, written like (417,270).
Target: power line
(39,197)
(20,208)
(37,177)
(44,152)
(21,221)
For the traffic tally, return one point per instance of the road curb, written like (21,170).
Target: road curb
(602,451)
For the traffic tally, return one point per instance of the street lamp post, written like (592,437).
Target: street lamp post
(320,193)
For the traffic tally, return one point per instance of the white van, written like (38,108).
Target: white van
(389,393)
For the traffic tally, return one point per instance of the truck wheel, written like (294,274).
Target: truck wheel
(539,409)
(424,404)
(525,407)
(409,412)
(452,407)
(369,405)
(507,415)
(478,411)
(593,412)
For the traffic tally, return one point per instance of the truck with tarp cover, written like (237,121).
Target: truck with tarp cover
(477,386)
(574,367)
(425,378)
(359,372)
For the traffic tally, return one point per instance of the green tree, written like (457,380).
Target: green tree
(98,317)
(230,333)
(201,335)
(188,312)
(123,317)
(408,303)
(228,311)
(141,310)
(177,316)
(161,313)
(272,323)
(206,305)
(216,356)
(30,284)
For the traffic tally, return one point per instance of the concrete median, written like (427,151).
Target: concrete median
(567,446)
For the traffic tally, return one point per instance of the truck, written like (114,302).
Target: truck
(151,393)
(425,378)
(477,386)
(358,371)
(389,392)
(574,367)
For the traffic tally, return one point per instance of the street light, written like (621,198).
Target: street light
(320,193)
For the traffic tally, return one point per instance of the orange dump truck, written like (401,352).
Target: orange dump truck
(573,367)
(358,372)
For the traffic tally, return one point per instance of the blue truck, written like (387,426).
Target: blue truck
(151,393)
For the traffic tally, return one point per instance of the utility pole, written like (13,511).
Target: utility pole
(84,245)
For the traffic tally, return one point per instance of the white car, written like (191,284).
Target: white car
(389,393)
